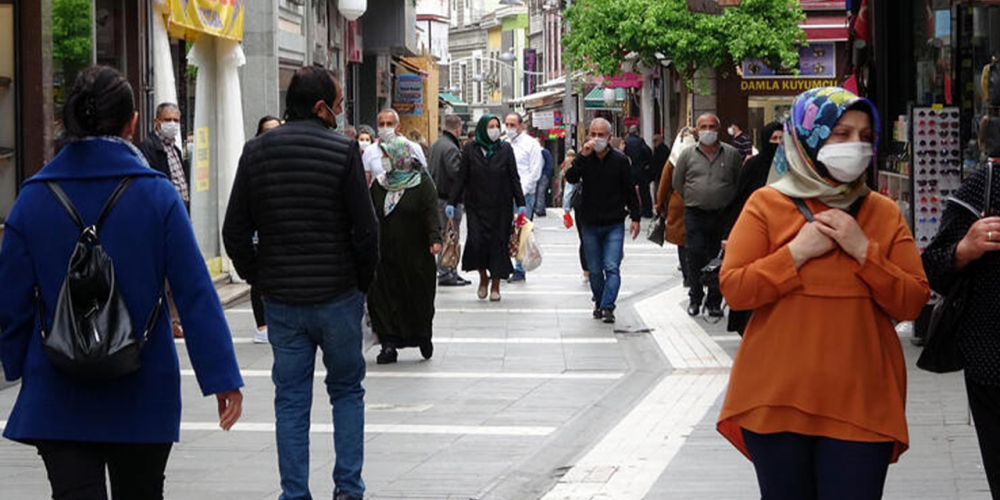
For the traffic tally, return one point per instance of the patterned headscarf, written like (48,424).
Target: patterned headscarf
(814,115)
(400,173)
(483,138)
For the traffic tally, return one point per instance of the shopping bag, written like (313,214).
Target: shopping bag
(657,231)
(515,234)
(528,251)
(451,255)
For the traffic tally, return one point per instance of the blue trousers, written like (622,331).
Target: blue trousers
(797,467)
(295,331)
(604,247)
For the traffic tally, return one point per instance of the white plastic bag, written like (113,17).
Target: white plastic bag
(370,339)
(528,252)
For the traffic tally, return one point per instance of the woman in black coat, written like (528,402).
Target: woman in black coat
(489,184)
(753,176)
(969,246)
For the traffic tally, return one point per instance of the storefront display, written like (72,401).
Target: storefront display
(937,168)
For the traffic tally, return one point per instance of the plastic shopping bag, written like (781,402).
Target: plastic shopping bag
(528,252)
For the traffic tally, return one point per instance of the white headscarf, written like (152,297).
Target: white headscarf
(685,139)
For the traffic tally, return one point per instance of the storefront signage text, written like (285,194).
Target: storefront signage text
(201,159)
(219,18)
(784,86)
(409,99)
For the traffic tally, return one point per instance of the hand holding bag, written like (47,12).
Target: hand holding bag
(657,231)
(942,353)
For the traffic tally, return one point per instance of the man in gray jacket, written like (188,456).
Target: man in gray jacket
(706,178)
(443,164)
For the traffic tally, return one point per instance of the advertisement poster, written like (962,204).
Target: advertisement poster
(818,60)
(218,18)
(409,97)
(201,159)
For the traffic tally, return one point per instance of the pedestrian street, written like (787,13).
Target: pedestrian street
(530,398)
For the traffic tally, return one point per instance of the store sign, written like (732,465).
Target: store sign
(409,98)
(543,119)
(530,66)
(201,159)
(784,86)
(817,60)
(218,18)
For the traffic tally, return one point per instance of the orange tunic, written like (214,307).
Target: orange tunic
(821,355)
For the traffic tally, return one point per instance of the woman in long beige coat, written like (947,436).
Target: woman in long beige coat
(669,204)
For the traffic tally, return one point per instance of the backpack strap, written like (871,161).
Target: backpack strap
(66,204)
(70,209)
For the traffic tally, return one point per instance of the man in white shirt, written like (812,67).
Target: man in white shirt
(388,129)
(528,154)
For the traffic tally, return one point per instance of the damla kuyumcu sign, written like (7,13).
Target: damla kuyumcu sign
(784,86)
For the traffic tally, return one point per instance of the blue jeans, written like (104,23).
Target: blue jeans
(529,203)
(604,246)
(295,331)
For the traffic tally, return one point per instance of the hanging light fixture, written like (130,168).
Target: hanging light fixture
(610,97)
(352,9)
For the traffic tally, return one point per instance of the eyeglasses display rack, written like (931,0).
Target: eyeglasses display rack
(937,167)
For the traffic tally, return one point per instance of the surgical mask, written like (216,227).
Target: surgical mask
(708,137)
(387,134)
(846,161)
(731,131)
(364,144)
(600,144)
(493,133)
(511,133)
(170,130)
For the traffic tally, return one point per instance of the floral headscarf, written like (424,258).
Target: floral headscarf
(400,174)
(814,115)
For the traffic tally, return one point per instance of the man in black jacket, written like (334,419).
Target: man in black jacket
(302,188)
(162,149)
(641,156)
(443,164)
(607,191)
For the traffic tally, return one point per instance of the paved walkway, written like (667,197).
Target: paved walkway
(531,399)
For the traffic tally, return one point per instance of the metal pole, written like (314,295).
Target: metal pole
(569,114)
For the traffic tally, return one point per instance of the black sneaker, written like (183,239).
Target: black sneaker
(427,349)
(715,312)
(609,316)
(451,281)
(517,277)
(598,312)
(344,496)
(388,356)
(694,309)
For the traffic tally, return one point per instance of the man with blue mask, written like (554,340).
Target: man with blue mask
(706,177)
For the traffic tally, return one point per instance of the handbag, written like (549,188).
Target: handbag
(657,232)
(710,273)
(92,336)
(451,255)
(942,352)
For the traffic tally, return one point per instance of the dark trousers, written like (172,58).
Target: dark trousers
(645,197)
(797,467)
(682,256)
(703,240)
(984,401)
(583,254)
(76,470)
(258,307)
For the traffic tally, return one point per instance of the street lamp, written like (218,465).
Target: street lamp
(610,97)
(507,57)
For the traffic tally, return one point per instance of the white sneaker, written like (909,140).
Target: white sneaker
(260,336)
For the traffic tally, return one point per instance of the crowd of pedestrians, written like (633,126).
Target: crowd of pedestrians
(337,229)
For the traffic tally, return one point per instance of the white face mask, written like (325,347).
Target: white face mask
(387,134)
(600,144)
(708,137)
(846,161)
(364,144)
(731,131)
(170,130)
(511,133)
(493,133)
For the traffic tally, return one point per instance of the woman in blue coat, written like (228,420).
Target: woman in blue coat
(125,425)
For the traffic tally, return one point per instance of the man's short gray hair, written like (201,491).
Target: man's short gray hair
(712,115)
(520,119)
(166,106)
(601,121)
(392,112)
(634,129)
(453,122)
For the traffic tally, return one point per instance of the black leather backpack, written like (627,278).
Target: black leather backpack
(91,335)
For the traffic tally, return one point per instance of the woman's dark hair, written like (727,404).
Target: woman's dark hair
(310,84)
(265,119)
(101,103)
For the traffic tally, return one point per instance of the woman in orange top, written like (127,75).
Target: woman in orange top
(669,204)
(817,392)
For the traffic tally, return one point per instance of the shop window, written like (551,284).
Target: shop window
(979,42)
(933,53)
(8,124)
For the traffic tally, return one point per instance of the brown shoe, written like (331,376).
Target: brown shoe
(178,331)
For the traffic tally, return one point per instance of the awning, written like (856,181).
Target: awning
(825,27)
(595,99)
(458,106)
(539,99)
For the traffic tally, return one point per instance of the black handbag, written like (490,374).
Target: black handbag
(91,336)
(942,353)
(657,232)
